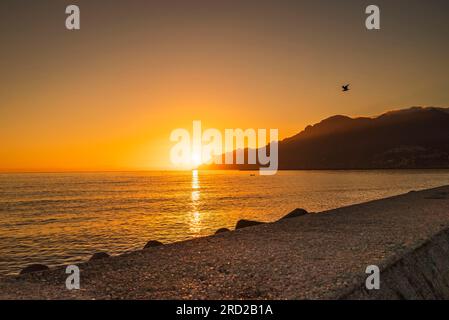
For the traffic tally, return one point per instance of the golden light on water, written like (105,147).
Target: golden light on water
(195,215)
(195,180)
(195,196)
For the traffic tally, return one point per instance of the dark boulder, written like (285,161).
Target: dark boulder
(34,268)
(99,256)
(247,223)
(153,243)
(222,230)
(295,213)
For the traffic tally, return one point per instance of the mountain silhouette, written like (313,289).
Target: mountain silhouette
(405,139)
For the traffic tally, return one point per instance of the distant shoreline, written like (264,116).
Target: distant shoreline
(216,170)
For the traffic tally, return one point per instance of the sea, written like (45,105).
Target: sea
(63,218)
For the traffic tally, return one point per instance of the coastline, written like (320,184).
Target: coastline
(316,256)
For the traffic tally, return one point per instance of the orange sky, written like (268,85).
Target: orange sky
(107,97)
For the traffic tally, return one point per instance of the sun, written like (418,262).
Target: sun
(196,159)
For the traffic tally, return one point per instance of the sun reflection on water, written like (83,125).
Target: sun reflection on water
(195,180)
(195,215)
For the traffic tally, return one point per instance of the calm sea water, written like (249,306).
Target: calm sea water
(60,218)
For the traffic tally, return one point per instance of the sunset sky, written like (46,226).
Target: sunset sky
(106,97)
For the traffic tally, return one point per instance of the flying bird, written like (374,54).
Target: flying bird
(345,88)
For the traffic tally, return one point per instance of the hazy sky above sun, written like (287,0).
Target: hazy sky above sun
(107,97)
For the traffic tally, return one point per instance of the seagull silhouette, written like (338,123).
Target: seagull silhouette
(345,88)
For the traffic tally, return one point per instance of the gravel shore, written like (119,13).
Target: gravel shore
(315,256)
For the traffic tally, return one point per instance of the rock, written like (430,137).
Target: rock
(221,230)
(34,268)
(295,213)
(247,223)
(153,243)
(99,256)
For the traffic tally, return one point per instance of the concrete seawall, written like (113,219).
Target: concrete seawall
(316,256)
(422,273)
